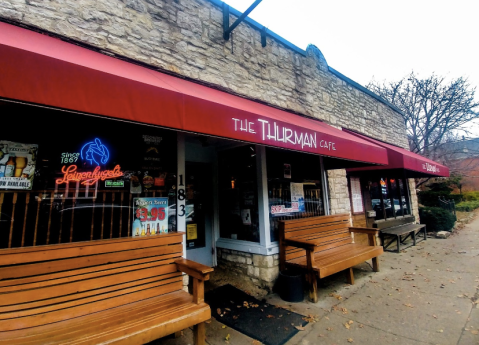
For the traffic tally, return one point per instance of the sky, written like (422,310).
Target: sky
(381,40)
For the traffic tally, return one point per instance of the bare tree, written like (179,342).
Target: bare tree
(433,109)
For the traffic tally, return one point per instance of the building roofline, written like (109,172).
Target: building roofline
(296,49)
(365,90)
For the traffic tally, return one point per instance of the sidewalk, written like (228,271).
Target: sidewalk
(424,295)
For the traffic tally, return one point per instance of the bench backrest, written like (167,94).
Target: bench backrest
(332,230)
(45,284)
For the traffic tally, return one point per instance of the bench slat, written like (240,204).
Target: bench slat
(61,302)
(58,251)
(65,265)
(121,320)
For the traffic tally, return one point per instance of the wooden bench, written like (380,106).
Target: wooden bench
(119,291)
(324,246)
(400,230)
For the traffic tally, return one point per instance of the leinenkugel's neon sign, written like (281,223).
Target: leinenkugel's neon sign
(70,174)
(95,152)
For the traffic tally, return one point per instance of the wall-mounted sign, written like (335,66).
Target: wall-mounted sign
(150,216)
(287,170)
(191,232)
(112,184)
(297,197)
(17,165)
(70,174)
(356,195)
(95,152)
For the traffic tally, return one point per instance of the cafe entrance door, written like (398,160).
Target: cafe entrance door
(199,212)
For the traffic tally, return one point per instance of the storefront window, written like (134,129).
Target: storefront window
(294,187)
(90,178)
(388,197)
(238,194)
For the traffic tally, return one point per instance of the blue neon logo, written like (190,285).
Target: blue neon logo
(95,152)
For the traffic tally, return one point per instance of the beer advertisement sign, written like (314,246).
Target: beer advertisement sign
(150,216)
(17,165)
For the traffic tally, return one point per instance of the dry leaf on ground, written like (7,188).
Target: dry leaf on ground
(475,332)
(350,340)
(329,329)
(300,328)
(256,342)
(218,311)
(347,325)
(227,338)
(270,316)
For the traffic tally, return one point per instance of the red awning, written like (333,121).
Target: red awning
(39,69)
(399,158)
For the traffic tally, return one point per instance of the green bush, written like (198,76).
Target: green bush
(436,219)
(467,206)
(471,196)
(431,198)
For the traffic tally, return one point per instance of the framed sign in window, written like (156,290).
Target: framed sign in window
(356,195)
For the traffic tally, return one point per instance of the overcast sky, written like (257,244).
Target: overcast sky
(381,40)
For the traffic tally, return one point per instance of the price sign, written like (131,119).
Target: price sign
(150,216)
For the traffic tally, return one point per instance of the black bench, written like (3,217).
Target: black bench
(398,231)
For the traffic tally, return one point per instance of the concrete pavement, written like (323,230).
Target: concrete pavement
(425,295)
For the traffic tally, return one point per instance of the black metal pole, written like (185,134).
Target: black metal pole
(227,32)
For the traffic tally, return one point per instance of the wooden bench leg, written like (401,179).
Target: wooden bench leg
(349,275)
(199,334)
(376,264)
(177,334)
(313,285)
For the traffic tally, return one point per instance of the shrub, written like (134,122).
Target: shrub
(436,219)
(471,196)
(467,206)
(431,198)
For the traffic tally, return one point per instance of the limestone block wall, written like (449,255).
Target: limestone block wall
(184,37)
(261,270)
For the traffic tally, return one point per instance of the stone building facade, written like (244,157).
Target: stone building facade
(185,38)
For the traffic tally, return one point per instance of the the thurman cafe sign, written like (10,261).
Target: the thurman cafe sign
(271,131)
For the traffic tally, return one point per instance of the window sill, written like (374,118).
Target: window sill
(247,247)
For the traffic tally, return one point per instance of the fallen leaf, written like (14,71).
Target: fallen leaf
(408,305)
(270,316)
(475,332)
(208,321)
(350,322)
(361,326)
(223,326)
(344,310)
(227,338)
(350,340)
(440,331)
(300,328)
(347,325)
(434,316)
(321,335)
(235,317)
(218,311)
(228,309)
(256,342)
(329,329)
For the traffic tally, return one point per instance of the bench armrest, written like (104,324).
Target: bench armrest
(300,244)
(194,269)
(361,230)
(369,231)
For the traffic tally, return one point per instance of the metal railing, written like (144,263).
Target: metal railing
(448,205)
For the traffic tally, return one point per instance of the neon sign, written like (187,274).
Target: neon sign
(96,152)
(70,174)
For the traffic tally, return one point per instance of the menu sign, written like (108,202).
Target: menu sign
(17,165)
(150,216)
(356,195)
